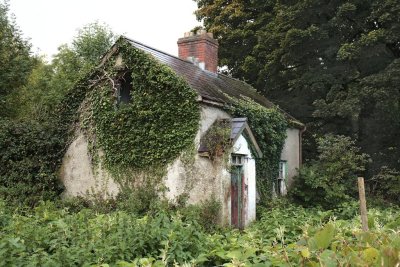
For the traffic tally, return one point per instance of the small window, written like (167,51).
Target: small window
(282,178)
(237,160)
(124,89)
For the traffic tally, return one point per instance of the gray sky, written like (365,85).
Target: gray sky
(158,23)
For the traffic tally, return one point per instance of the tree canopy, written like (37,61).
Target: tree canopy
(333,64)
(15,59)
(48,83)
(40,101)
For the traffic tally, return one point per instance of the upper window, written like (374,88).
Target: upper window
(124,89)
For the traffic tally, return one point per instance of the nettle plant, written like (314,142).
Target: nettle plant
(148,132)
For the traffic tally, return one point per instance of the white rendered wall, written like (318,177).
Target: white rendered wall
(77,174)
(202,178)
(291,153)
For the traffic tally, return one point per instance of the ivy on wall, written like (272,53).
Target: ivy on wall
(269,128)
(159,122)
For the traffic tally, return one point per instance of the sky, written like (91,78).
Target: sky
(158,23)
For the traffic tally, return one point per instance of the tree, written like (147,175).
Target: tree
(92,41)
(15,59)
(47,84)
(32,146)
(334,64)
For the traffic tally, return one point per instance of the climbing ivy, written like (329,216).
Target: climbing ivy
(145,135)
(216,139)
(269,128)
(150,131)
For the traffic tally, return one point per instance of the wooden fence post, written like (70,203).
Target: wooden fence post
(363,204)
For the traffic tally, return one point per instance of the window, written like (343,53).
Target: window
(283,168)
(124,89)
(237,160)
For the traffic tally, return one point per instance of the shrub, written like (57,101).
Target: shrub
(385,185)
(29,160)
(331,179)
(207,214)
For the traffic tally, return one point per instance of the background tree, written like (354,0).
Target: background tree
(330,179)
(333,64)
(15,59)
(47,84)
(33,141)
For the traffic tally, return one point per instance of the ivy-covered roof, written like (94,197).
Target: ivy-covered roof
(214,88)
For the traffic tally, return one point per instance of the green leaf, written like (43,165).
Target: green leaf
(370,255)
(322,239)
(328,258)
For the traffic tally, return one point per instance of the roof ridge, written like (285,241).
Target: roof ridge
(155,49)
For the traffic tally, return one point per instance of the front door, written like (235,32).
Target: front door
(237,196)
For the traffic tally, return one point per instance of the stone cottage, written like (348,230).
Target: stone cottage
(234,187)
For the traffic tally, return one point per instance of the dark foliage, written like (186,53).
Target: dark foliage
(332,64)
(29,158)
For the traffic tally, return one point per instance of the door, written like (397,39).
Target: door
(237,196)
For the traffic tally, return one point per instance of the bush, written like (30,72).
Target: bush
(385,185)
(331,179)
(286,235)
(206,214)
(29,160)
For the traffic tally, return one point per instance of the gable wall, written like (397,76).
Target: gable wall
(201,179)
(291,153)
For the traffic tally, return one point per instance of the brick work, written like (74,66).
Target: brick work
(201,46)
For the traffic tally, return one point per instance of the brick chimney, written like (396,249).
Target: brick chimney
(201,48)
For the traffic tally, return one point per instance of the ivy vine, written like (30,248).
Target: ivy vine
(159,122)
(269,128)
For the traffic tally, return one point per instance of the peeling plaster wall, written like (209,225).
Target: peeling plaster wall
(202,179)
(291,153)
(77,175)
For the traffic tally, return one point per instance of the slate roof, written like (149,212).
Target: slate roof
(238,125)
(210,86)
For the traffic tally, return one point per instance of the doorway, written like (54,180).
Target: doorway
(238,192)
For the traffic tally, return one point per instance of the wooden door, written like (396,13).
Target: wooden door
(237,197)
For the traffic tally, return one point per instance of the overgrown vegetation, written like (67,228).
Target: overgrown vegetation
(40,111)
(285,235)
(332,178)
(28,171)
(43,104)
(217,140)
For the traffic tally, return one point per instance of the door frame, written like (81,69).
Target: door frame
(238,191)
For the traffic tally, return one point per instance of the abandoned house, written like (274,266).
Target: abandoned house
(234,187)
